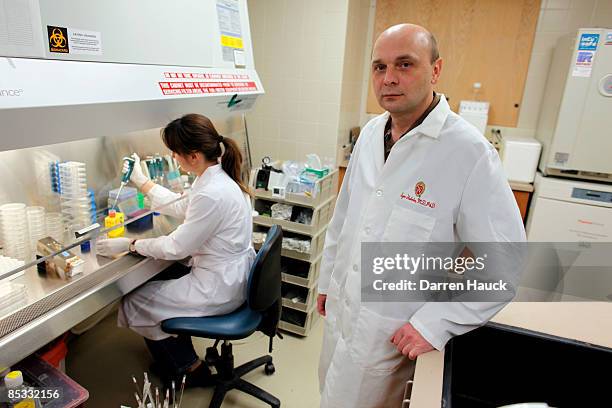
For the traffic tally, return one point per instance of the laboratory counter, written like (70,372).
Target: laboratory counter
(51,305)
(583,322)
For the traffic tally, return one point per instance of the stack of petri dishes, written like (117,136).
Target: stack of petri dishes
(9,264)
(12,296)
(14,227)
(55,226)
(74,197)
(36,225)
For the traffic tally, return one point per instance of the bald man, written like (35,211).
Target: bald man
(419,173)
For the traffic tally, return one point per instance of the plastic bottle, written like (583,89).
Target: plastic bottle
(141,198)
(14,381)
(113,218)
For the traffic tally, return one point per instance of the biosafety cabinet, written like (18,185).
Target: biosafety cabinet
(575,124)
(71,69)
(82,85)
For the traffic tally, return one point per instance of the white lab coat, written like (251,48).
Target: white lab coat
(359,367)
(216,233)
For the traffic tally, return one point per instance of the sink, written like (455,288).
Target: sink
(498,365)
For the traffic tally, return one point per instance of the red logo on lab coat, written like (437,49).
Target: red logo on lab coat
(419,189)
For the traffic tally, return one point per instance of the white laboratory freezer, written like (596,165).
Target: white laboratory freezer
(575,123)
(565,210)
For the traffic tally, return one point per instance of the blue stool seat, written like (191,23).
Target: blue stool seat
(236,325)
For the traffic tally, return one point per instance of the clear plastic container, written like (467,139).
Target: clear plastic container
(14,226)
(12,296)
(55,226)
(36,225)
(75,200)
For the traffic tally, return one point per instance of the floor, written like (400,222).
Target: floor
(104,359)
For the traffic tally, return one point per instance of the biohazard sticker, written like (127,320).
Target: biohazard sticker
(58,39)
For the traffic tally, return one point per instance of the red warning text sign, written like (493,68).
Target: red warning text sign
(202,75)
(189,88)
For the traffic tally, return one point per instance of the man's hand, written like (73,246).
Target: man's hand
(409,342)
(321,299)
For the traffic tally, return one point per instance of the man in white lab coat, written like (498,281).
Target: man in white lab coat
(419,147)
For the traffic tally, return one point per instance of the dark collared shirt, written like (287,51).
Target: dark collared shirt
(389,139)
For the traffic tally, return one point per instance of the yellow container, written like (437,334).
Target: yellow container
(114,218)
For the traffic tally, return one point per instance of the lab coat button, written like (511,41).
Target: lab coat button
(355,267)
(379,193)
(367,230)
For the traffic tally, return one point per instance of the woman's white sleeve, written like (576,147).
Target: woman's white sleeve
(160,195)
(203,217)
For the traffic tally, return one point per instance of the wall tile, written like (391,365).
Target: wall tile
(553,20)
(309,91)
(313,69)
(579,18)
(545,42)
(558,4)
(602,18)
(326,151)
(290,109)
(326,134)
(539,64)
(287,150)
(309,111)
(306,132)
(330,92)
(332,25)
(254,124)
(302,149)
(287,130)
(270,129)
(603,5)
(334,6)
(533,93)
(328,113)
(584,4)
(301,49)
(261,147)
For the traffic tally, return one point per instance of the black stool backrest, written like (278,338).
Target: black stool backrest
(264,284)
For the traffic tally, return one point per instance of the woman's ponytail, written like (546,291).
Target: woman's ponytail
(231,162)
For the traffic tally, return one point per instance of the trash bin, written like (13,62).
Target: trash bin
(55,353)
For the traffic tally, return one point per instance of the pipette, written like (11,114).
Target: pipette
(125,176)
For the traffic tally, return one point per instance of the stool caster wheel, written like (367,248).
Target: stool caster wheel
(269,369)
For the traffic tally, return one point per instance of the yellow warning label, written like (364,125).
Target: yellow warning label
(232,42)
(58,39)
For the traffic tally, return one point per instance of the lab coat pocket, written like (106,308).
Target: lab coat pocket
(408,225)
(370,344)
